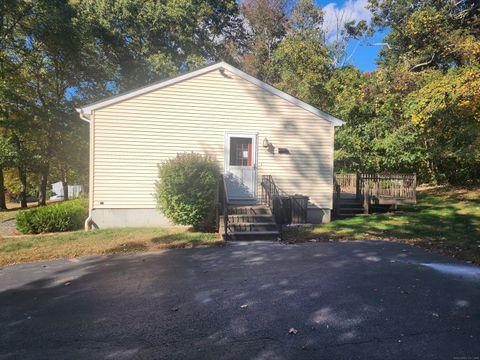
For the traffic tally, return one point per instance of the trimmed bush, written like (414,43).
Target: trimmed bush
(65,216)
(186,190)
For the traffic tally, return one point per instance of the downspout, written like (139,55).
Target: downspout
(89,220)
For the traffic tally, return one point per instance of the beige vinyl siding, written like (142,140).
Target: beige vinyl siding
(133,136)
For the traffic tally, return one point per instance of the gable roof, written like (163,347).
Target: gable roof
(87,110)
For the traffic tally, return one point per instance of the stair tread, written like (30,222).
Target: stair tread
(253,223)
(269,232)
(250,215)
(248,206)
(267,218)
(348,215)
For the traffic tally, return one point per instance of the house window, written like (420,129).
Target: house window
(241,151)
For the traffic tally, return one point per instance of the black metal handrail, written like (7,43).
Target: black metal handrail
(223,206)
(269,190)
(271,195)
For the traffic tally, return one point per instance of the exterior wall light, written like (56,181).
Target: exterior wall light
(266,143)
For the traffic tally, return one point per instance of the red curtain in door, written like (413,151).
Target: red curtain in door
(249,154)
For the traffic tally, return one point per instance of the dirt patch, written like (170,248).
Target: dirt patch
(8,228)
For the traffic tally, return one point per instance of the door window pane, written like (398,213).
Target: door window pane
(241,151)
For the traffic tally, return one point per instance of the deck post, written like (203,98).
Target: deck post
(358,190)
(415,186)
(366,197)
(336,200)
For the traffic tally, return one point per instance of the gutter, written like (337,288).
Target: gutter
(82,115)
(89,220)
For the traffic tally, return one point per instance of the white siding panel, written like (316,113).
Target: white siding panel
(132,137)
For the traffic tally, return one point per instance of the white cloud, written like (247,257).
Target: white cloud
(335,17)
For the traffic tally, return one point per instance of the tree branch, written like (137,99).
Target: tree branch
(423,64)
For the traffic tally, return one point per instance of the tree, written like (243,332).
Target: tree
(13,100)
(144,41)
(70,162)
(377,136)
(447,111)
(427,33)
(7,159)
(267,22)
(302,61)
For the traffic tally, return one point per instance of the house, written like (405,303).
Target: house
(249,127)
(58,191)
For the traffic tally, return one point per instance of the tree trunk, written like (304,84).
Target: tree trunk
(3,203)
(42,191)
(65,188)
(22,176)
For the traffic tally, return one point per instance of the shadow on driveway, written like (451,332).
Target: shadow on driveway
(356,300)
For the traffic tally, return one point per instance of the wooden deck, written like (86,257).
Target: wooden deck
(373,189)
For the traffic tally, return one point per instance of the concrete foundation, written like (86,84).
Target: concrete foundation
(111,218)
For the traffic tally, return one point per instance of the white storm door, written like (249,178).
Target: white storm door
(241,165)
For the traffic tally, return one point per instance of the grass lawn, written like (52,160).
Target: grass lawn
(445,220)
(105,241)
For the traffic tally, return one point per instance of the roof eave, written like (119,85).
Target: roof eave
(87,110)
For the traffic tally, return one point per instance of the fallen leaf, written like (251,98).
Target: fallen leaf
(244,306)
(67,283)
(435,314)
(292,331)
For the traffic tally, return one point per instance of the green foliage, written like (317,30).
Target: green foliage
(377,136)
(267,24)
(302,66)
(186,189)
(302,62)
(426,33)
(148,40)
(65,216)
(447,111)
(57,54)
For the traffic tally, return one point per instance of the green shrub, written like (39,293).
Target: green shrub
(65,216)
(186,190)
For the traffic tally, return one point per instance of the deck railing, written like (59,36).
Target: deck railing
(380,189)
(347,182)
(393,186)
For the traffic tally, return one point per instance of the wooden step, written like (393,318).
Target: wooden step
(235,219)
(351,209)
(351,203)
(249,210)
(343,216)
(255,227)
(253,235)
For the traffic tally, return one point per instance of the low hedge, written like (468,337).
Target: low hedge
(65,216)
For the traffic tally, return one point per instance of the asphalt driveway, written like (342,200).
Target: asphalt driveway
(355,300)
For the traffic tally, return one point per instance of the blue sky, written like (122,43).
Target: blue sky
(365,55)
